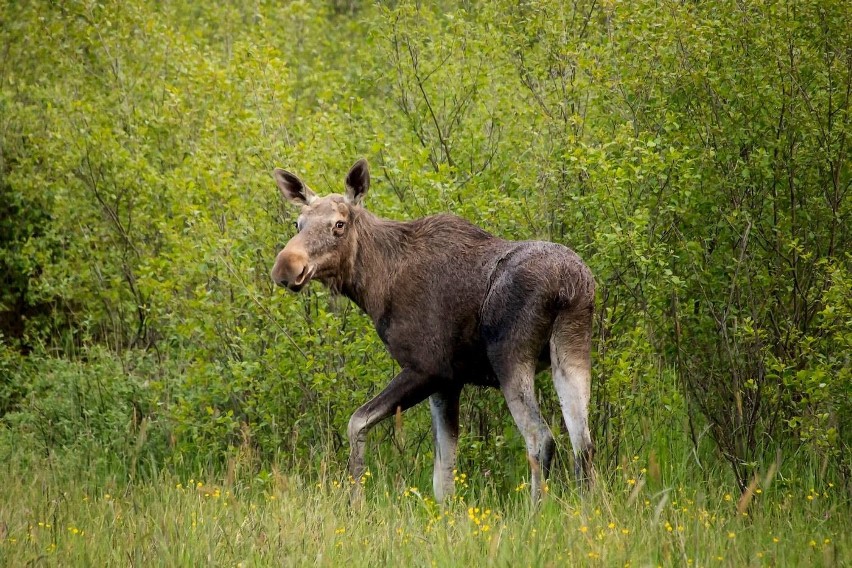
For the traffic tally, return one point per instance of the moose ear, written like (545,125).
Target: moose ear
(357,182)
(292,188)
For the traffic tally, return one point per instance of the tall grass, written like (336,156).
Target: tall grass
(56,511)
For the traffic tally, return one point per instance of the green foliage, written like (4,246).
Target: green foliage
(696,155)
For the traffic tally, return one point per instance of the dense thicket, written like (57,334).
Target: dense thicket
(695,154)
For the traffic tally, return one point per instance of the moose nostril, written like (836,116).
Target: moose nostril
(302,274)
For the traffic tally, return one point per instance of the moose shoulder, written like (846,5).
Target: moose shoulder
(454,305)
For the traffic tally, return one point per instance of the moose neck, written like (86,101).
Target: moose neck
(379,251)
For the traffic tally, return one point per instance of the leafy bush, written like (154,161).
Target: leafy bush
(694,154)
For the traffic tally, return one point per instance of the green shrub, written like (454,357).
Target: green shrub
(693,154)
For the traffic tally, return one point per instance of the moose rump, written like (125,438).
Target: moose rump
(454,305)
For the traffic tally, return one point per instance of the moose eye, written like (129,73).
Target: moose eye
(339,225)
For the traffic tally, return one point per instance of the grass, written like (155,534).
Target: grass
(53,513)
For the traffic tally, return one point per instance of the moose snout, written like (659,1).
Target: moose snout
(291,270)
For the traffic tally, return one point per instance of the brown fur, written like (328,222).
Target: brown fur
(454,305)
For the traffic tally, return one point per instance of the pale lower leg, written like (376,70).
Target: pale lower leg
(445,428)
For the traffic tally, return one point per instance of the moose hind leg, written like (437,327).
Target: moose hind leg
(570,357)
(404,391)
(517,384)
(445,429)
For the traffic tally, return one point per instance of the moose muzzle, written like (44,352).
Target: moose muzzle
(292,269)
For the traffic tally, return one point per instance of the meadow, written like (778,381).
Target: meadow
(60,515)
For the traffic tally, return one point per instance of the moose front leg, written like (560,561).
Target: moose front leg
(445,429)
(404,391)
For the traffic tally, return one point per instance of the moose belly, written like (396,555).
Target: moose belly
(452,353)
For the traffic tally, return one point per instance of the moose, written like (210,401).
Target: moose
(454,305)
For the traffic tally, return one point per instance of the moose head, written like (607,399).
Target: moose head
(326,237)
